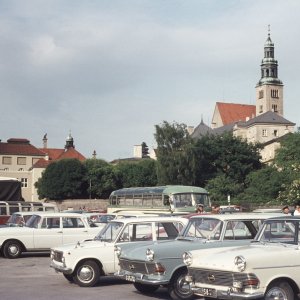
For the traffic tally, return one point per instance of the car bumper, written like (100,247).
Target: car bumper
(228,294)
(61,269)
(142,278)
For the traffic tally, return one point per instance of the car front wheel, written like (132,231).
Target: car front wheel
(12,249)
(145,288)
(87,274)
(179,288)
(279,290)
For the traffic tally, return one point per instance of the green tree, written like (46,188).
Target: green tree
(262,187)
(135,174)
(172,161)
(145,150)
(287,161)
(221,186)
(63,179)
(102,178)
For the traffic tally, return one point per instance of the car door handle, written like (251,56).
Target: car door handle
(59,231)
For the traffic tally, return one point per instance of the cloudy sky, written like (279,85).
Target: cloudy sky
(108,71)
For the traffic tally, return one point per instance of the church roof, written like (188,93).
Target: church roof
(56,154)
(268,117)
(201,130)
(233,112)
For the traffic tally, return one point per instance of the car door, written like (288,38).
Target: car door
(48,233)
(74,230)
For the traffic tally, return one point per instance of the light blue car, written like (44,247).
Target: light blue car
(161,264)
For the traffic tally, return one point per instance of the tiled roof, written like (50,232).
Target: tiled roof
(19,147)
(56,154)
(232,112)
(269,117)
(41,163)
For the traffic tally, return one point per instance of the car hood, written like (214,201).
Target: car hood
(84,245)
(256,255)
(174,249)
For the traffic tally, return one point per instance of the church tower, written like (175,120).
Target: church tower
(269,89)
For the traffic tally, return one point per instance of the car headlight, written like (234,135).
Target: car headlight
(118,250)
(150,254)
(187,258)
(240,263)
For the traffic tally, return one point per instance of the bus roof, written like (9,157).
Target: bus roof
(165,189)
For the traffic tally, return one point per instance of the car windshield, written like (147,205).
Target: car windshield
(204,228)
(280,231)
(110,232)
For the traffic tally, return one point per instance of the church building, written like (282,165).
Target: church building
(263,122)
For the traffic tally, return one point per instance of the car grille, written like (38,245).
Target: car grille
(215,277)
(57,256)
(137,266)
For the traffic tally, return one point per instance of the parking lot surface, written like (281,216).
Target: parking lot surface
(30,277)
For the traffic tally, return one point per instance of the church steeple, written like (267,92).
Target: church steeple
(269,89)
(69,142)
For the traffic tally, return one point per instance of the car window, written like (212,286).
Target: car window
(237,230)
(51,222)
(204,228)
(279,231)
(136,232)
(168,230)
(72,222)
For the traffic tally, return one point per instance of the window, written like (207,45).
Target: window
(21,169)
(6,160)
(274,108)
(21,160)
(72,223)
(264,132)
(49,223)
(275,132)
(274,93)
(24,182)
(261,94)
(260,108)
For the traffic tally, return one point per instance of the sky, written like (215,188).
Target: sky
(108,71)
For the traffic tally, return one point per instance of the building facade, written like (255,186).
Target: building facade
(19,159)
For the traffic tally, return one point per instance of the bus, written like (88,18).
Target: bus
(158,199)
(7,208)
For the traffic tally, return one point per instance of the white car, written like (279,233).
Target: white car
(86,261)
(44,230)
(267,268)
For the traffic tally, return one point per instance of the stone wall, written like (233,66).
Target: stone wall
(76,204)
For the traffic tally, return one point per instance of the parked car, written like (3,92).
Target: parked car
(43,231)
(86,261)
(160,264)
(268,268)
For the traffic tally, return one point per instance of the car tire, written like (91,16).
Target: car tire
(69,277)
(178,288)
(280,290)
(12,249)
(145,288)
(87,273)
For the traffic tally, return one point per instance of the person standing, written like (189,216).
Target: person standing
(215,208)
(286,210)
(200,209)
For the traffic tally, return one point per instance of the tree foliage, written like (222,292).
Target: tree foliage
(63,179)
(102,177)
(172,160)
(142,173)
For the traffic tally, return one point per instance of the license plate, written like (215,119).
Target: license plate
(208,292)
(130,278)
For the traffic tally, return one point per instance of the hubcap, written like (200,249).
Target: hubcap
(86,273)
(276,294)
(13,249)
(183,286)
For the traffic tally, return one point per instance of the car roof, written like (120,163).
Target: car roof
(59,214)
(149,219)
(284,217)
(238,216)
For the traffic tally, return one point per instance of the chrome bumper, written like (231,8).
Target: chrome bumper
(229,295)
(142,278)
(61,269)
